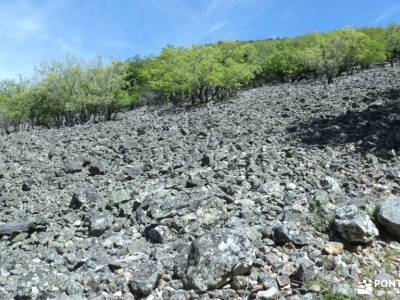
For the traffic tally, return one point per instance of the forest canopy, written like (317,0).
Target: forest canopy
(73,92)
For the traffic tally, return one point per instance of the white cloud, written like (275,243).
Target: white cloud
(26,37)
(388,13)
(17,24)
(213,29)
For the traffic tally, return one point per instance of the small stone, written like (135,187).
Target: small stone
(330,184)
(305,272)
(267,280)
(141,130)
(27,185)
(157,234)
(333,248)
(4,272)
(283,280)
(71,167)
(291,186)
(287,232)
(99,224)
(83,198)
(51,154)
(271,293)
(68,244)
(76,201)
(240,283)
(119,196)
(96,168)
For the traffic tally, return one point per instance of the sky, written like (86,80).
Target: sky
(33,31)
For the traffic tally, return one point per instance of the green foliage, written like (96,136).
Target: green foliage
(200,73)
(72,91)
(15,102)
(392,39)
(67,93)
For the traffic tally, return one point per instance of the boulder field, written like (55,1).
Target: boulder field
(289,191)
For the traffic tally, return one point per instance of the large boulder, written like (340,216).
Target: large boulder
(388,215)
(354,225)
(216,257)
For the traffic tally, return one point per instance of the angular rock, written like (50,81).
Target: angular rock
(216,257)
(289,233)
(333,248)
(146,277)
(71,167)
(119,196)
(85,198)
(354,225)
(97,168)
(388,216)
(240,283)
(76,201)
(100,224)
(305,271)
(27,185)
(330,183)
(271,293)
(283,280)
(157,234)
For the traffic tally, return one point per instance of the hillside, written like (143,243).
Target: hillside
(232,200)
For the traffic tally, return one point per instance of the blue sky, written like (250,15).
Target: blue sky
(32,31)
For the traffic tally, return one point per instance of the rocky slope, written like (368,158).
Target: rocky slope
(271,195)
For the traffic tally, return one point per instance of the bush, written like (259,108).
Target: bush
(67,93)
(200,73)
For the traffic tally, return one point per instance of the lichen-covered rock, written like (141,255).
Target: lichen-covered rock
(355,225)
(215,258)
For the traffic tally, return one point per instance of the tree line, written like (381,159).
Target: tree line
(73,92)
(65,93)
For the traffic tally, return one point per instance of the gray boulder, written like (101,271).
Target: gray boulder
(289,233)
(145,277)
(216,257)
(388,215)
(354,225)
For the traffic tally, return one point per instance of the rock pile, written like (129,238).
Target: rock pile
(268,196)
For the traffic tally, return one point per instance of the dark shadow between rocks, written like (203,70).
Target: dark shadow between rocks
(374,129)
